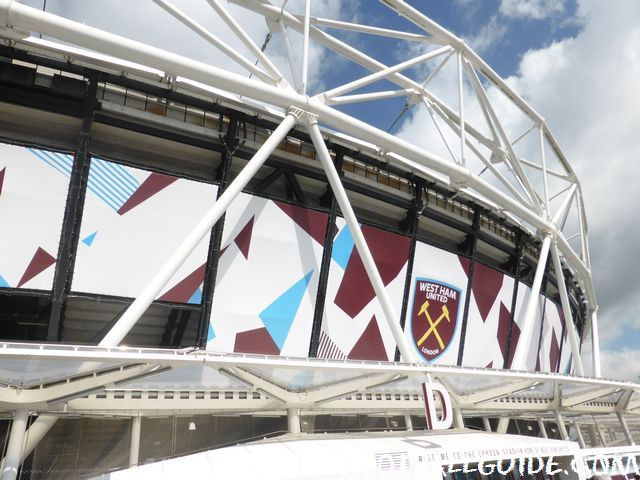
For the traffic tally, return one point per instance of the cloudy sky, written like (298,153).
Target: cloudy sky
(578,65)
(577,62)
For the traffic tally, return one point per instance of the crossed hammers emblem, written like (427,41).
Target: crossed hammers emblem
(433,325)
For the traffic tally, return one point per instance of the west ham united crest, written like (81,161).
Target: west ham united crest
(433,316)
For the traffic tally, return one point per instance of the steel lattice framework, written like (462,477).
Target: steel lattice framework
(518,188)
(534,187)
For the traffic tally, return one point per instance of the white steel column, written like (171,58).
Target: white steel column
(14,447)
(543,428)
(503,425)
(134,446)
(625,428)
(293,420)
(520,356)
(458,419)
(155,286)
(305,48)
(486,423)
(566,310)
(408,422)
(37,431)
(595,345)
(562,428)
(360,242)
(576,425)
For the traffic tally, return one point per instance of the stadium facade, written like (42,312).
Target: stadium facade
(193,258)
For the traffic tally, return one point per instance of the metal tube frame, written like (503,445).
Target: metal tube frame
(12,458)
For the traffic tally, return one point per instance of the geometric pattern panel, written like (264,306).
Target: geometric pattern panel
(553,333)
(489,317)
(133,221)
(436,304)
(33,192)
(533,347)
(354,323)
(267,277)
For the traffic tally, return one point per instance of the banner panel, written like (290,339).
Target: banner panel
(133,221)
(552,338)
(267,278)
(489,318)
(436,304)
(33,193)
(354,326)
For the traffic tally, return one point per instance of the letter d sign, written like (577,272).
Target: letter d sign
(429,389)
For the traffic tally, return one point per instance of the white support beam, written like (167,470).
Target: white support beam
(563,209)
(625,428)
(293,420)
(432,114)
(543,162)
(134,444)
(581,441)
(287,43)
(36,397)
(503,425)
(458,419)
(531,310)
(463,160)
(586,396)
(366,97)
(562,428)
(566,310)
(356,27)
(37,431)
(215,41)
(248,42)
(495,392)
(486,424)
(305,48)
(12,458)
(543,428)
(155,286)
(408,422)
(340,194)
(384,73)
(595,345)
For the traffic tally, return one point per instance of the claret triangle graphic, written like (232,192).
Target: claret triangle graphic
(39,263)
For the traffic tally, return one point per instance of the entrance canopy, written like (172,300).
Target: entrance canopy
(65,378)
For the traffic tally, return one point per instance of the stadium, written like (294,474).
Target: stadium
(198,256)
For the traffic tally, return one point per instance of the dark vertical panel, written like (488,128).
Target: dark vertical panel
(72,216)
(325,264)
(231,143)
(472,262)
(514,298)
(543,288)
(410,225)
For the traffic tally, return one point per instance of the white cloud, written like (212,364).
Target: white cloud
(587,88)
(489,36)
(531,9)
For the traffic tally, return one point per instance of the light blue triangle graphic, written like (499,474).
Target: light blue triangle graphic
(3,283)
(342,247)
(210,334)
(89,240)
(196,297)
(278,317)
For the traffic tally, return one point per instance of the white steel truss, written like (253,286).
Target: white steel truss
(512,189)
(538,190)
